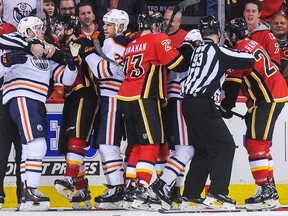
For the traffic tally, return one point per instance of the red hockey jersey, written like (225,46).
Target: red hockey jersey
(269,8)
(178,37)
(145,61)
(6,28)
(266,39)
(263,82)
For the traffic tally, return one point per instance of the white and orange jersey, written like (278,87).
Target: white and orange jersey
(15,10)
(110,75)
(174,84)
(31,79)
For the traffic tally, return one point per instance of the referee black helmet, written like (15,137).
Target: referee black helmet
(209,25)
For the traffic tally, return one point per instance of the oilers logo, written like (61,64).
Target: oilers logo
(22,10)
(39,63)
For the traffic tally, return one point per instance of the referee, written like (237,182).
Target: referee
(202,88)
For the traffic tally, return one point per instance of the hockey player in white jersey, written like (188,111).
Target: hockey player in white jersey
(111,129)
(25,89)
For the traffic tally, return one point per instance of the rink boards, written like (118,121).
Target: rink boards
(242,184)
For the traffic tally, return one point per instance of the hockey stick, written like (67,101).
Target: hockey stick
(234,113)
(102,54)
(39,9)
(182,5)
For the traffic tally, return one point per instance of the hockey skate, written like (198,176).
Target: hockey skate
(219,201)
(153,202)
(140,196)
(80,197)
(111,199)
(1,202)
(262,199)
(189,203)
(33,200)
(128,193)
(64,187)
(162,190)
(144,200)
(176,195)
(275,197)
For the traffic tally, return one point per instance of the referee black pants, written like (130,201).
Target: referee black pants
(8,134)
(212,140)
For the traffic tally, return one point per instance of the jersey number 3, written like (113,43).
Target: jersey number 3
(137,69)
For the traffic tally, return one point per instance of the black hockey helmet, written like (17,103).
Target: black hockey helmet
(146,20)
(70,22)
(237,26)
(209,25)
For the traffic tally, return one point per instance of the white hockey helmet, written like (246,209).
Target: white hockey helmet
(29,23)
(117,17)
(193,35)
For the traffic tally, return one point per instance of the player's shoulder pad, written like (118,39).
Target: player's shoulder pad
(159,36)
(122,40)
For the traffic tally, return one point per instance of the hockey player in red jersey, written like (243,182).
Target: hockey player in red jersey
(141,95)
(80,108)
(266,92)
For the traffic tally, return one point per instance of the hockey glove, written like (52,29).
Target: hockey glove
(87,47)
(13,57)
(69,59)
(226,112)
(74,48)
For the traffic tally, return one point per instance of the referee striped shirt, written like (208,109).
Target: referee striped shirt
(208,66)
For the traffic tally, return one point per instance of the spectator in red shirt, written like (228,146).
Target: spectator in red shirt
(259,30)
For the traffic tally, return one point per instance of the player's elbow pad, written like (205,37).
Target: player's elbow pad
(69,77)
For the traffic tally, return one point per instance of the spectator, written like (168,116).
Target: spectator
(279,27)
(259,31)
(85,12)
(175,33)
(50,7)
(67,7)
